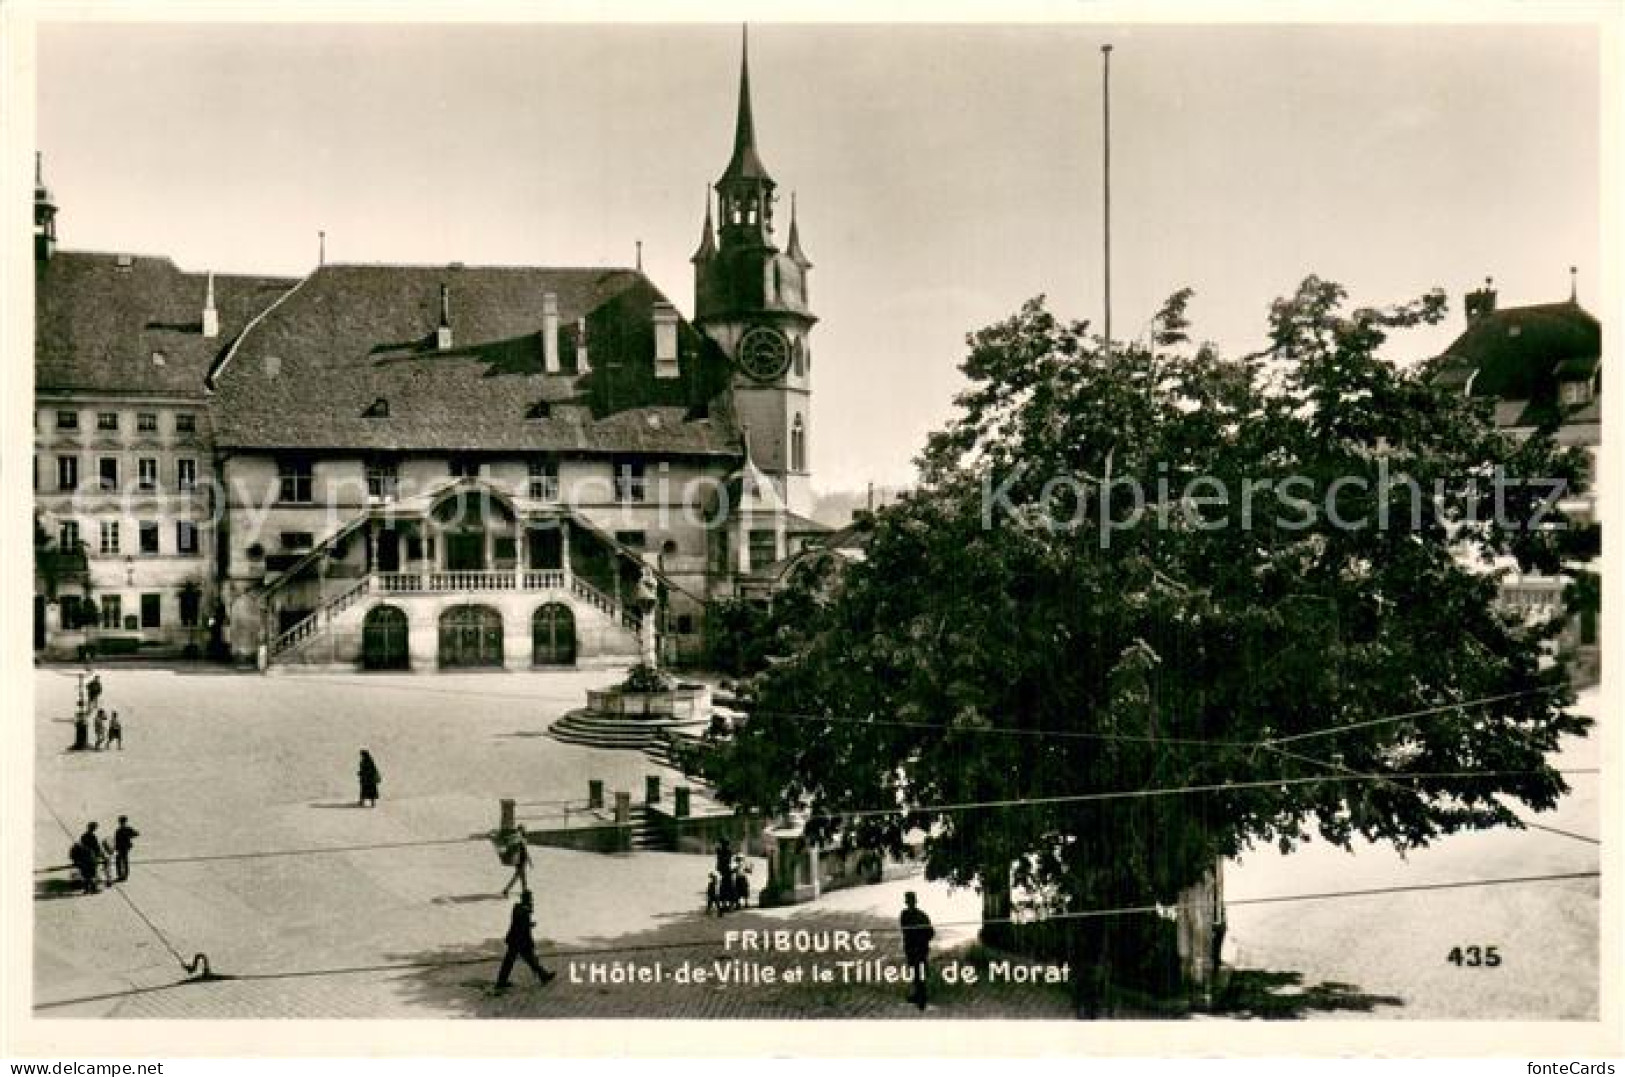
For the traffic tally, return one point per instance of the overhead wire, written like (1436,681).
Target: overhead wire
(694,944)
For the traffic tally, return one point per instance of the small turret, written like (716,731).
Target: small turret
(44,214)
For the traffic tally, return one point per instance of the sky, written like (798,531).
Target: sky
(944,174)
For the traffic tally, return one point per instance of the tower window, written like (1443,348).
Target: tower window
(763,549)
(798,446)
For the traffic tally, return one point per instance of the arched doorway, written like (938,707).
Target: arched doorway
(553,635)
(384,639)
(470,636)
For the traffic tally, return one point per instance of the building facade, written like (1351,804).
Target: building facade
(1540,368)
(386,466)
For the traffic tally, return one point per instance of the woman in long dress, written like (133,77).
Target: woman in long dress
(367,772)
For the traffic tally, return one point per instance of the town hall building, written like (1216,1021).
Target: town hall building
(421,467)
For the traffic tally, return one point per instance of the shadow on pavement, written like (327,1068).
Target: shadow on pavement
(334,804)
(1275,996)
(642,975)
(468,899)
(49,889)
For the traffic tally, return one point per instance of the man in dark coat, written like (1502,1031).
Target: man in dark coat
(123,841)
(87,855)
(367,773)
(84,862)
(917,935)
(522,944)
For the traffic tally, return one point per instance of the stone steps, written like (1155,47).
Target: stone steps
(604,731)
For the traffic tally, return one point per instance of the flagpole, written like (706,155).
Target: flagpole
(1106,137)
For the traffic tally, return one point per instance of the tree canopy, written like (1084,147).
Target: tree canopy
(1276,620)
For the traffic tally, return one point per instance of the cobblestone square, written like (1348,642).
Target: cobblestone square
(403,917)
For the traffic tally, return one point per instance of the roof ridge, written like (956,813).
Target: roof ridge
(464,266)
(214,371)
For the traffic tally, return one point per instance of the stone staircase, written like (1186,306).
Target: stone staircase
(645,836)
(647,735)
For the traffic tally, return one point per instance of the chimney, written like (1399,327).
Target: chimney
(550,332)
(442,333)
(211,317)
(1481,304)
(581,346)
(665,319)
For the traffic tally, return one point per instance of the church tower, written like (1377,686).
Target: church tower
(750,297)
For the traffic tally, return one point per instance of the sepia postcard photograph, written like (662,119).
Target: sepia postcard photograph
(1084,523)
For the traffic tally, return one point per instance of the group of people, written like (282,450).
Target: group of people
(91,714)
(98,860)
(728,887)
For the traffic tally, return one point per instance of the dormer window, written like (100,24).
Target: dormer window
(539,410)
(1576,393)
(378,409)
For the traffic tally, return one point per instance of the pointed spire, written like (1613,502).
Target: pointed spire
(793,247)
(708,242)
(1574,284)
(39,170)
(640,255)
(745,163)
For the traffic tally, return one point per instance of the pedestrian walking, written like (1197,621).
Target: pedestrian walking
(519,857)
(87,856)
(368,774)
(101,728)
(123,841)
(115,732)
(917,935)
(93,690)
(713,897)
(522,944)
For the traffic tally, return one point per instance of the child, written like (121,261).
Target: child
(115,732)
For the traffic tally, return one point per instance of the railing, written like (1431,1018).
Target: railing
(585,591)
(420,583)
(544,580)
(326,611)
(415,583)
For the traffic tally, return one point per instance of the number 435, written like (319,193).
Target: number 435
(1473,957)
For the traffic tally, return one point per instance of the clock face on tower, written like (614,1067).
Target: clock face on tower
(764,353)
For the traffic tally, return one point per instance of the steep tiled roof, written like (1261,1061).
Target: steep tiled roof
(1516,351)
(121,323)
(357,338)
